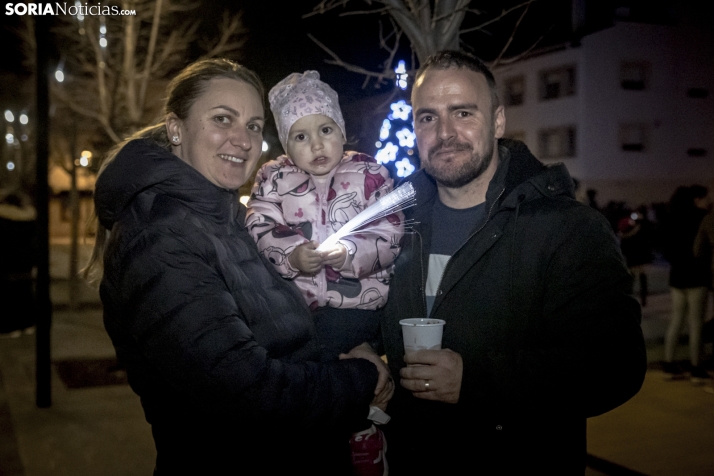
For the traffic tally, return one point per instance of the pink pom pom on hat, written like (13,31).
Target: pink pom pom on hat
(301,95)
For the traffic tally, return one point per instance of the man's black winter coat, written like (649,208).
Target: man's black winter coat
(536,304)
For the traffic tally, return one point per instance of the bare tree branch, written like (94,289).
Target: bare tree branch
(513,34)
(90,113)
(380,77)
(429,25)
(520,56)
(499,17)
(150,53)
(110,74)
(365,12)
(325,6)
(230,27)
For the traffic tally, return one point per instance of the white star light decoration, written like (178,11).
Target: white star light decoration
(387,154)
(384,131)
(406,138)
(404,167)
(402,76)
(400,110)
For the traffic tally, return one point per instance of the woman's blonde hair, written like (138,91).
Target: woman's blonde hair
(182,92)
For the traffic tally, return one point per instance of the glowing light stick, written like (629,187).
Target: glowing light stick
(397,200)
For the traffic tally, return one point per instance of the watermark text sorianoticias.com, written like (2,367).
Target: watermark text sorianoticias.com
(57,8)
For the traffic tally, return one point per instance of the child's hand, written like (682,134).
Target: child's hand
(335,257)
(306,258)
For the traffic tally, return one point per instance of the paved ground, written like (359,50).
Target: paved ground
(100,431)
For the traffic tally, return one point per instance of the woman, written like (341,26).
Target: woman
(219,348)
(688,277)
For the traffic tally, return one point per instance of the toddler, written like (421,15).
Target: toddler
(303,197)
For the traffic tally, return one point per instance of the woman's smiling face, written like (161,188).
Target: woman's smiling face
(222,137)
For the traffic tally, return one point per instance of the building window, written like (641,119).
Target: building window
(697,152)
(556,83)
(634,75)
(697,93)
(515,91)
(634,137)
(557,142)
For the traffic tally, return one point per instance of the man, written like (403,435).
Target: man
(540,332)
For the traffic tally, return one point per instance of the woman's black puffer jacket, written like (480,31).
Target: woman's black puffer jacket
(220,349)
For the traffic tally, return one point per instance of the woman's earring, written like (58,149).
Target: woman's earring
(175,139)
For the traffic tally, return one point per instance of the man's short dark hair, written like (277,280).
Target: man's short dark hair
(456,59)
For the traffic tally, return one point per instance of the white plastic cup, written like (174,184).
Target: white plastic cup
(422,334)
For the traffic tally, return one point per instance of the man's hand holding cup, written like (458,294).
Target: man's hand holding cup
(431,373)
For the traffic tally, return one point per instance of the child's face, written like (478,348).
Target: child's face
(315,144)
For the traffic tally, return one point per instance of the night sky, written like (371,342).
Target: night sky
(278,42)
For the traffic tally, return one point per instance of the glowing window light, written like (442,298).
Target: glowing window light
(9,138)
(401,71)
(400,110)
(404,168)
(406,138)
(384,131)
(59,75)
(265,147)
(387,154)
(24,119)
(9,117)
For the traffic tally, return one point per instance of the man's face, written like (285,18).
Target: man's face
(455,127)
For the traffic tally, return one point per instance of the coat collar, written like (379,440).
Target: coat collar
(142,165)
(519,177)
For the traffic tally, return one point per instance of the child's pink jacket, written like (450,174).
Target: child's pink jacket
(288,208)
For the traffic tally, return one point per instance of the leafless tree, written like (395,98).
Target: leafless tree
(114,71)
(429,25)
(116,66)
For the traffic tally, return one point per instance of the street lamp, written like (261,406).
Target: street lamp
(84,158)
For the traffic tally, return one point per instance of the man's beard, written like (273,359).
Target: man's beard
(456,176)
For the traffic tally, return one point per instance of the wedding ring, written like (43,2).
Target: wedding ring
(426,385)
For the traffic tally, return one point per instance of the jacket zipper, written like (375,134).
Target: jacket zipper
(321,276)
(448,263)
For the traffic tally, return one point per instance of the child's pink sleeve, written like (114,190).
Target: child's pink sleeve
(377,246)
(265,222)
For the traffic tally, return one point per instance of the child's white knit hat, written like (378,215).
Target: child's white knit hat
(301,95)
